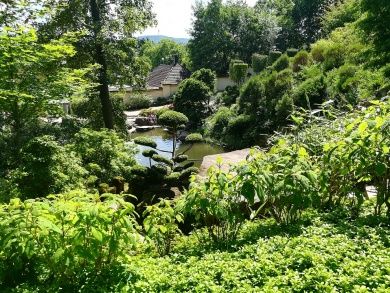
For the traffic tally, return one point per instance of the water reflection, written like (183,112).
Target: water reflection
(164,142)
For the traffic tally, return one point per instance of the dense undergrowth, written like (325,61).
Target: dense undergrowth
(324,252)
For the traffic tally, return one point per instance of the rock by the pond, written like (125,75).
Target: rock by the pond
(146,121)
(227,159)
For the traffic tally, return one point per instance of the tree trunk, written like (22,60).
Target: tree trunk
(100,59)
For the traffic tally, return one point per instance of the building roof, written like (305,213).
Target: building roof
(166,74)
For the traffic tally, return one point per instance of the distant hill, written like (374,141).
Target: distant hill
(158,38)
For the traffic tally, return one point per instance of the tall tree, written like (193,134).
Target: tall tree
(222,32)
(299,20)
(32,77)
(376,26)
(165,52)
(106,28)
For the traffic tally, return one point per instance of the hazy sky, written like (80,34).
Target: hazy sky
(174,17)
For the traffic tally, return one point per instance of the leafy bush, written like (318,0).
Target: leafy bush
(216,205)
(334,56)
(230,95)
(318,50)
(106,149)
(207,76)
(301,59)
(59,238)
(281,63)
(238,71)
(160,225)
(273,56)
(284,181)
(292,52)
(259,62)
(47,167)
(173,119)
(238,131)
(138,101)
(145,141)
(216,124)
(325,256)
(90,110)
(310,93)
(251,93)
(358,158)
(193,138)
(192,99)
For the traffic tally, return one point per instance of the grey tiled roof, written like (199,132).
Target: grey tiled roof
(166,74)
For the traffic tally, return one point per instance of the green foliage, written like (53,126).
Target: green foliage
(160,225)
(60,238)
(180,159)
(139,171)
(216,124)
(138,101)
(192,99)
(165,52)
(301,59)
(321,257)
(90,109)
(339,15)
(46,168)
(173,119)
(229,96)
(215,204)
(284,181)
(34,77)
(273,56)
(310,93)
(145,141)
(239,127)
(259,62)
(291,52)
(106,149)
(149,153)
(193,138)
(375,24)
(251,93)
(318,50)
(281,63)
(238,71)
(162,159)
(358,157)
(334,56)
(222,32)
(207,76)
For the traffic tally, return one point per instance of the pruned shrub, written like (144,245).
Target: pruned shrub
(238,71)
(292,52)
(193,138)
(259,62)
(302,58)
(145,141)
(318,50)
(273,56)
(310,93)
(334,56)
(207,76)
(192,99)
(281,63)
(230,95)
(173,119)
(138,101)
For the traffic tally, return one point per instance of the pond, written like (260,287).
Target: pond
(164,142)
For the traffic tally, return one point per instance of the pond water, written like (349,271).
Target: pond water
(164,142)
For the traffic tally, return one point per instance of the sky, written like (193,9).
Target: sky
(174,17)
